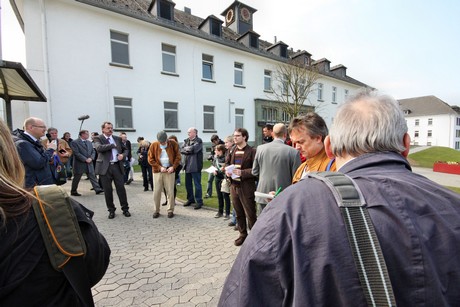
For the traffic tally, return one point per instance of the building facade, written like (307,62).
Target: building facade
(431,122)
(146,66)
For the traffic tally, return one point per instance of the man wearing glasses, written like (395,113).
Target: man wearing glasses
(34,155)
(243,183)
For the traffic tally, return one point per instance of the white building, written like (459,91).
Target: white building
(431,122)
(146,66)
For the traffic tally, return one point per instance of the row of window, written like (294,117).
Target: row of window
(429,133)
(120,55)
(271,115)
(430,122)
(124,115)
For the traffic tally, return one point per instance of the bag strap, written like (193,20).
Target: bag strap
(63,239)
(367,253)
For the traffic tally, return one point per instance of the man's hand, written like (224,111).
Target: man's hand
(89,160)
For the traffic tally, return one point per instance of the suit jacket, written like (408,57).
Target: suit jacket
(275,164)
(104,150)
(82,150)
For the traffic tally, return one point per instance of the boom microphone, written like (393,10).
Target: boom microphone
(83,117)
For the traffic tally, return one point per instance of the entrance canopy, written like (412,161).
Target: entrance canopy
(17,84)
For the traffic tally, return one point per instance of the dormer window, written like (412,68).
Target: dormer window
(165,10)
(283,51)
(216,28)
(162,9)
(211,25)
(254,41)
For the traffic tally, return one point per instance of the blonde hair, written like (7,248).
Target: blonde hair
(14,199)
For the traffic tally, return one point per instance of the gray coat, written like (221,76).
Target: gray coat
(193,152)
(275,164)
(82,150)
(298,254)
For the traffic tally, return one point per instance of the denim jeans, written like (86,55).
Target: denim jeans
(196,177)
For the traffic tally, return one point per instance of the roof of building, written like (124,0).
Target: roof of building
(425,105)
(190,24)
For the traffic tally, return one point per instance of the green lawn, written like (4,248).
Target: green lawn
(208,202)
(426,158)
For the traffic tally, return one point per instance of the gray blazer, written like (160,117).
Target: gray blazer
(275,164)
(104,150)
(82,150)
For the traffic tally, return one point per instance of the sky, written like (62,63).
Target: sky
(402,48)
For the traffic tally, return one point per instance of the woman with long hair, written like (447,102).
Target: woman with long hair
(26,274)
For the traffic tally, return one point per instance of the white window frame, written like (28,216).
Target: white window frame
(267,80)
(117,40)
(208,118)
(168,52)
(207,62)
(239,118)
(171,109)
(238,72)
(121,103)
(320,91)
(334,94)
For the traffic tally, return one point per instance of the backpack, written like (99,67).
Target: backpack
(62,236)
(59,171)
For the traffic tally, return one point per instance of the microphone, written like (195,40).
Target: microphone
(48,136)
(83,117)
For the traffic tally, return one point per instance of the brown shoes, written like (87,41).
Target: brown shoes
(170,214)
(240,241)
(156,215)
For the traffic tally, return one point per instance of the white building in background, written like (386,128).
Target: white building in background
(146,66)
(432,122)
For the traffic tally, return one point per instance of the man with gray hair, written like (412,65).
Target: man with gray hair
(192,148)
(275,164)
(164,157)
(298,253)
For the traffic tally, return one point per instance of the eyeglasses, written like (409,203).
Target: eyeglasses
(43,127)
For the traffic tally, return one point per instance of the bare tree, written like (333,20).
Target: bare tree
(294,83)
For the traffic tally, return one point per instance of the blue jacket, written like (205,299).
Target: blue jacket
(35,159)
(298,253)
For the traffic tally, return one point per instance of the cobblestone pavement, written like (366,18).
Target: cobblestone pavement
(180,261)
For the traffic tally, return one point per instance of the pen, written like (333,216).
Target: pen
(277,192)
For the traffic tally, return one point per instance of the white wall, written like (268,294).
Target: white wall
(76,54)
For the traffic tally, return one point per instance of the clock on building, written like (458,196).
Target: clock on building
(229,16)
(245,14)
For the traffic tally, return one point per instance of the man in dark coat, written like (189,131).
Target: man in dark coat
(83,153)
(298,253)
(34,156)
(192,148)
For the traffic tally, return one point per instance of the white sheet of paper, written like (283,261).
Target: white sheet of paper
(229,169)
(264,195)
(211,169)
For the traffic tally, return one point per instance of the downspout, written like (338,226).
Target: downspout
(45,60)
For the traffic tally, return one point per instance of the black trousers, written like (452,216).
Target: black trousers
(114,174)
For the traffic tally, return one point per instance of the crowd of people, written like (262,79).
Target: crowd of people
(295,249)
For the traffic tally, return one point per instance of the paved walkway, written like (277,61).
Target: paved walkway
(181,261)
